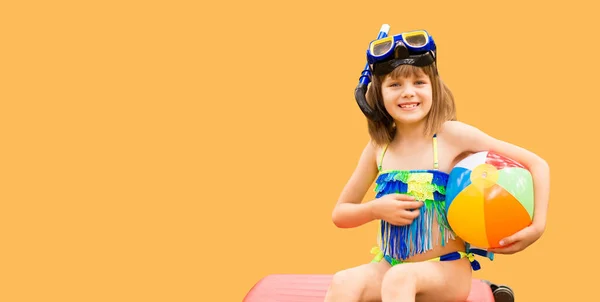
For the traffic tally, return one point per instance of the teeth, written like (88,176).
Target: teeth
(408,106)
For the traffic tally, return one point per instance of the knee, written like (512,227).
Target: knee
(338,279)
(350,282)
(343,278)
(403,275)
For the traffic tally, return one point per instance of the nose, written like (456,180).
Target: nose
(408,92)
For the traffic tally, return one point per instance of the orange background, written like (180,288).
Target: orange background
(179,151)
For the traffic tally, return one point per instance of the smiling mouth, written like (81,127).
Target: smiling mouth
(408,106)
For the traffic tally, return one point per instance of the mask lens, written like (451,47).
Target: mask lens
(381,47)
(416,39)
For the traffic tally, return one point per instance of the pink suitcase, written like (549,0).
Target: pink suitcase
(312,288)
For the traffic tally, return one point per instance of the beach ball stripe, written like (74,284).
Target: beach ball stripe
(467,216)
(472,160)
(462,179)
(504,210)
(501,162)
(507,180)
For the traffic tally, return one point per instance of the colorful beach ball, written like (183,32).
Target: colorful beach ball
(488,197)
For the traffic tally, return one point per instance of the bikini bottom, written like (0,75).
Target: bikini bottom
(379,255)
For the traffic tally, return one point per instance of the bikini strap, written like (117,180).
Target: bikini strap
(435,152)
(381,157)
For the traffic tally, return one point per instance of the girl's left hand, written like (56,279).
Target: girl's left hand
(518,241)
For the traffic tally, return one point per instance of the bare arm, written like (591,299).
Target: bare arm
(349,212)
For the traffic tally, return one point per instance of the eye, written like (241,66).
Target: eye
(421,82)
(394,85)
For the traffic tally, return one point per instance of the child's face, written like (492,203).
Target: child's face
(407,99)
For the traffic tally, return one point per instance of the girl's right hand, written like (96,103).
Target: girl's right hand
(396,209)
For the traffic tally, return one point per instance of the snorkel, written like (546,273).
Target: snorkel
(384,54)
(363,83)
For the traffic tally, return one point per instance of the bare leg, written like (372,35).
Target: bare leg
(361,283)
(428,281)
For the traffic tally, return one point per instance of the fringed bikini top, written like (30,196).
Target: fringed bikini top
(429,186)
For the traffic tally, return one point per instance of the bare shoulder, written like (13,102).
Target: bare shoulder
(363,175)
(456,139)
(369,154)
(367,162)
(463,137)
(456,129)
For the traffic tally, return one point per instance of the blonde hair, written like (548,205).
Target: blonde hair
(442,108)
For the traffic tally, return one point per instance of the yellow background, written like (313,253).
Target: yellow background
(181,151)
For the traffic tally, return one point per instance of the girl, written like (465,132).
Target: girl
(415,142)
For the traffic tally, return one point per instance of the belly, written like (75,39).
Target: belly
(452,245)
